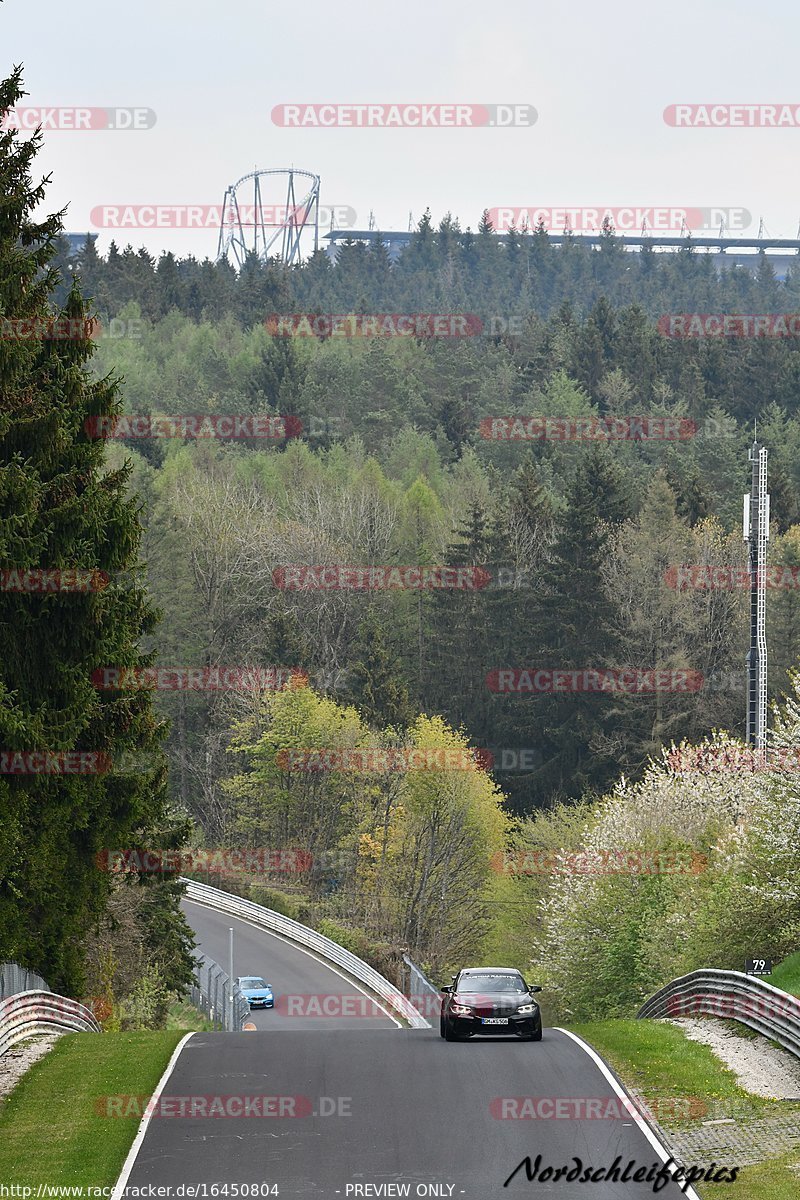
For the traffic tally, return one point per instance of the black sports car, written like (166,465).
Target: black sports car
(490,1001)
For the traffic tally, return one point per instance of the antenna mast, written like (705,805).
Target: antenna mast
(755,530)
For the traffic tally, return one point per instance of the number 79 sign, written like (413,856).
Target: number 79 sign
(758,966)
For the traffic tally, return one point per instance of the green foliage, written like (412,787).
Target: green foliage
(578,541)
(400,851)
(62,508)
(702,856)
(396,468)
(288,906)
(148,1004)
(354,940)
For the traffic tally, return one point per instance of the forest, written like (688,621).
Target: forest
(398,492)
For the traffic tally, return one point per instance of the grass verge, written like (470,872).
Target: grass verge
(676,1077)
(50,1130)
(183,1015)
(777,1179)
(786,975)
(661,1063)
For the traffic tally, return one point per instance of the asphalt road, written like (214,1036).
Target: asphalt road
(351,1108)
(308,993)
(364,1107)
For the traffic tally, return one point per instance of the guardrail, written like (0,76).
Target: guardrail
(27,1013)
(209,992)
(422,993)
(293,931)
(733,996)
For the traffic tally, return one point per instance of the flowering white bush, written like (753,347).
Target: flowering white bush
(705,847)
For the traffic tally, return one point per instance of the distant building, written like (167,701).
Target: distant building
(394,241)
(77,241)
(781,253)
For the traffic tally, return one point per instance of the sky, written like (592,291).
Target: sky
(205,78)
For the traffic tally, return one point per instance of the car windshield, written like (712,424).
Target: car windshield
(252,981)
(491,983)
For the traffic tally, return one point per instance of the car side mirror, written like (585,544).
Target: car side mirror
(448,987)
(536,988)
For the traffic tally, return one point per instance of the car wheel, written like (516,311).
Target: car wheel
(535,1037)
(441,1026)
(450,1034)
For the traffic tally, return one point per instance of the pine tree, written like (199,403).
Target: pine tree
(575,626)
(463,635)
(379,270)
(61,510)
(595,346)
(277,377)
(376,686)
(659,629)
(485,225)
(689,488)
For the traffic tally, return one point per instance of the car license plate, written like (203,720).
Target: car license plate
(494,1020)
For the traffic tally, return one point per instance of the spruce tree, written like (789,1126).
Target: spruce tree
(463,635)
(376,684)
(576,629)
(61,510)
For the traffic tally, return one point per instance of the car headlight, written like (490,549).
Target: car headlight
(527,1008)
(462,1009)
